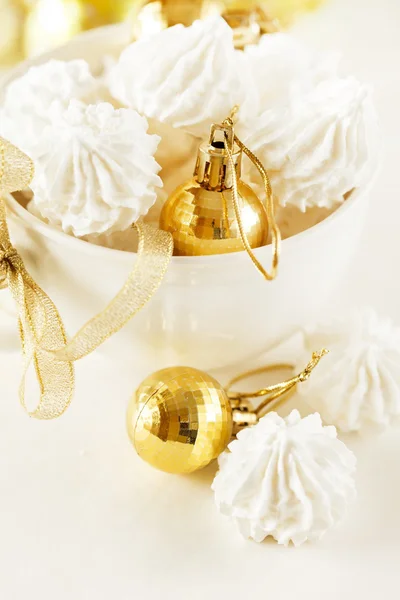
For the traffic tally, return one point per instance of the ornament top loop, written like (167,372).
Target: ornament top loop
(232,119)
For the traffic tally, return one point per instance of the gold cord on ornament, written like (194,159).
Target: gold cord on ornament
(279,390)
(275,231)
(42,333)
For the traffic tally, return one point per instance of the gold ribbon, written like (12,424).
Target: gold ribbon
(154,254)
(42,333)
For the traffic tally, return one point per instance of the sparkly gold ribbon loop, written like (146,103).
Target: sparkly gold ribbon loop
(154,254)
(40,326)
(43,338)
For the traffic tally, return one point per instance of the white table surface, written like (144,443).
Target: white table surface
(82,518)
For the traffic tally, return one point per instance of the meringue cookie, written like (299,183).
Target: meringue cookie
(292,221)
(292,68)
(95,169)
(359,386)
(290,478)
(187,77)
(319,148)
(29,99)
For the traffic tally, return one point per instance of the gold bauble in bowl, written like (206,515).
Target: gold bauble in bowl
(203,222)
(179,420)
(201,214)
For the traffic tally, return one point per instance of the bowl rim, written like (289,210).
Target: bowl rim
(65,239)
(89,248)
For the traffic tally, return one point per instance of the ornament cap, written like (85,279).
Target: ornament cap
(213,170)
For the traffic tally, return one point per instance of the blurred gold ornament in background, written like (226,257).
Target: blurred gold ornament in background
(12,15)
(248,18)
(29,27)
(53,22)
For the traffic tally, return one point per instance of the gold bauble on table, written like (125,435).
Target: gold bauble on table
(180,420)
(200,214)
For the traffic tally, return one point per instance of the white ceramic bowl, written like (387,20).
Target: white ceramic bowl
(211,312)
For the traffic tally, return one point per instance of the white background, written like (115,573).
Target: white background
(82,518)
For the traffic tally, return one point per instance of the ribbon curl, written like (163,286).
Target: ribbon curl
(40,325)
(42,333)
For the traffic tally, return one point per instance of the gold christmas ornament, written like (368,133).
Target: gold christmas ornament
(181,419)
(216,212)
(200,214)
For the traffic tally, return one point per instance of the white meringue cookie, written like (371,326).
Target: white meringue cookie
(187,77)
(283,68)
(320,147)
(28,100)
(290,478)
(95,169)
(292,221)
(358,386)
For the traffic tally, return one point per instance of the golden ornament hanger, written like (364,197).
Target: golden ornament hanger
(215,212)
(181,419)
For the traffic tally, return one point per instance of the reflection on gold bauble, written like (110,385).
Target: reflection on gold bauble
(200,214)
(180,420)
(203,222)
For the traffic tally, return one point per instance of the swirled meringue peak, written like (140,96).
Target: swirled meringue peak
(187,77)
(290,478)
(319,148)
(28,100)
(95,169)
(359,387)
